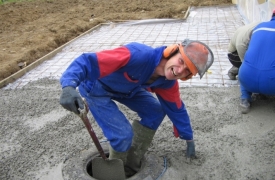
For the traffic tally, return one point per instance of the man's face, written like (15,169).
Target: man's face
(176,68)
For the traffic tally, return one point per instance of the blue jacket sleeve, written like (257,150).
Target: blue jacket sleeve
(175,110)
(92,66)
(79,69)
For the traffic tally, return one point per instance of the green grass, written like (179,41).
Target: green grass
(9,1)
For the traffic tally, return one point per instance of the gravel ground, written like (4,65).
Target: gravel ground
(38,135)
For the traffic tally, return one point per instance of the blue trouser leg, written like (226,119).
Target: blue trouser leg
(115,126)
(147,107)
(244,93)
(245,82)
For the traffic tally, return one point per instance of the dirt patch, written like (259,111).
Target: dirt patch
(30,30)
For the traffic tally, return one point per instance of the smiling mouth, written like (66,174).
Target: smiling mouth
(173,72)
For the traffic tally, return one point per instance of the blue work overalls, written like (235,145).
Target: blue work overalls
(257,72)
(120,75)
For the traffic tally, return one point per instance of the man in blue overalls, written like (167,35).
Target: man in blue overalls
(238,46)
(257,72)
(128,74)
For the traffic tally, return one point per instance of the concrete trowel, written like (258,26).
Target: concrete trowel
(102,167)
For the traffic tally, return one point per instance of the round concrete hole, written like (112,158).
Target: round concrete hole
(80,166)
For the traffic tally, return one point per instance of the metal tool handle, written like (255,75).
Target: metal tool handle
(84,118)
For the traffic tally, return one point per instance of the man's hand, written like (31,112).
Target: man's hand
(71,100)
(190,151)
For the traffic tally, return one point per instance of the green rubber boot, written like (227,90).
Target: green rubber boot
(118,155)
(119,173)
(142,139)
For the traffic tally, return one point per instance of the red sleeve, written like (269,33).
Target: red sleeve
(111,60)
(171,95)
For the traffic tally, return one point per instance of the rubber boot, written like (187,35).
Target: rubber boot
(233,72)
(118,155)
(142,139)
(245,106)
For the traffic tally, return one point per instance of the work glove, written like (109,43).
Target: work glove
(190,151)
(71,100)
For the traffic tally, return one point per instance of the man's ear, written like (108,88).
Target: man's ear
(170,51)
